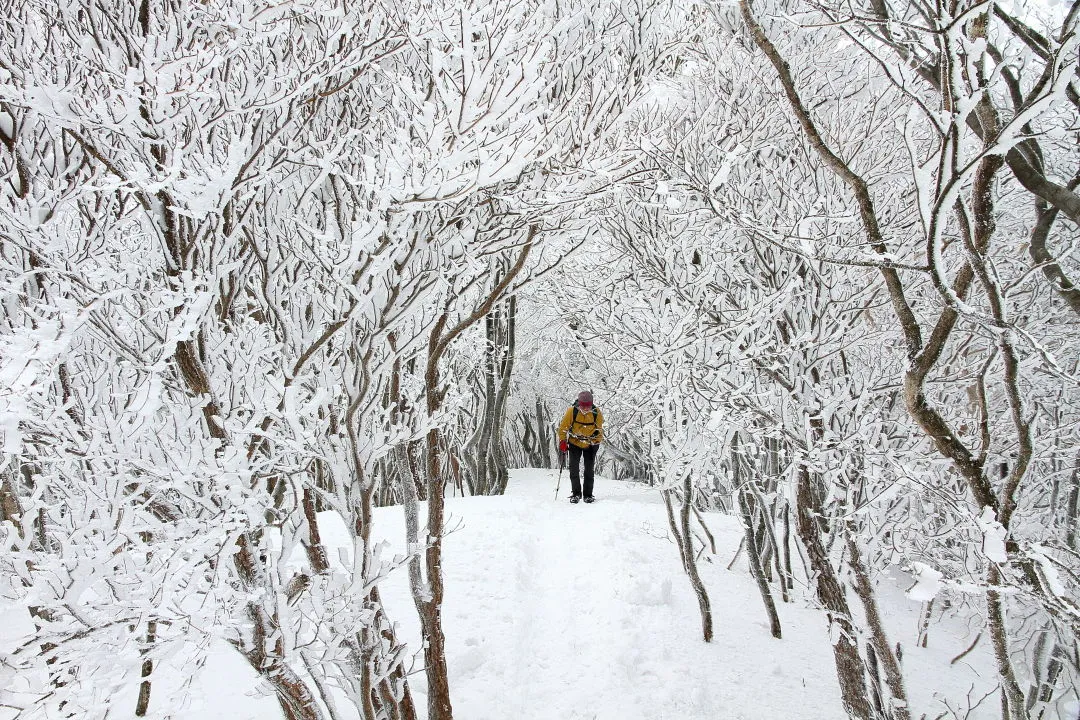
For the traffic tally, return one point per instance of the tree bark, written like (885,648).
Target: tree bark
(894,676)
(143,703)
(397,683)
(10,507)
(753,555)
(1012,695)
(265,652)
(684,541)
(788,576)
(491,463)
(1072,507)
(439,705)
(506,371)
(316,552)
(543,435)
(830,593)
(924,624)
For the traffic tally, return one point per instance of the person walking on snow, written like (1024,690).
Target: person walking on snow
(580,433)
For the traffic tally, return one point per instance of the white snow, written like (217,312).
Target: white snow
(1049,572)
(564,611)
(927,583)
(569,611)
(993,536)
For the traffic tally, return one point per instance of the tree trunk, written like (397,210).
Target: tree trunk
(430,609)
(770,533)
(421,592)
(506,370)
(1043,692)
(381,682)
(10,507)
(684,540)
(316,551)
(543,435)
(830,593)
(754,557)
(924,624)
(491,461)
(894,677)
(1072,507)
(483,446)
(143,702)
(266,648)
(398,680)
(788,577)
(1012,698)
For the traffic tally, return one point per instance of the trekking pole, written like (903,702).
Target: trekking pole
(559,482)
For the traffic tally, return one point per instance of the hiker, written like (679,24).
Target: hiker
(580,433)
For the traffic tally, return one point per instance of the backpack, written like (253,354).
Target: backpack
(574,421)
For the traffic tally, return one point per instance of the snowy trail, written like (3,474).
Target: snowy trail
(567,634)
(595,619)
(556,611)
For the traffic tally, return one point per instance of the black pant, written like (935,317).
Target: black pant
(576,454)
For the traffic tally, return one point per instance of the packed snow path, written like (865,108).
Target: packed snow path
(556,611)
(560,611)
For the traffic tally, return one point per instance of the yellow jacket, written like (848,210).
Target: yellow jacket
(587,430)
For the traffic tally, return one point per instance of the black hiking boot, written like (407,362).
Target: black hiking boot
(575,499)
(590,499)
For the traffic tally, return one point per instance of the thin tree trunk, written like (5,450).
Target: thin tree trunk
(320,684)
(1072,507)
(789,577)
(875,681)
(708,533)
(266,651)
(1044,693)
(738,552)
(770,533)
(377,641)
(421,594)
(543,435)
(405,708)
(753,556)
(830,593)
(924,624)
(143,703)
(691,564)
(1012,697)
(316,552)
(684,541)
(894,676)
(506,370)
(487,419)
(10,507)
(430,609)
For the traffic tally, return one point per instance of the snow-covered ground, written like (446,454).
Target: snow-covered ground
(559,611)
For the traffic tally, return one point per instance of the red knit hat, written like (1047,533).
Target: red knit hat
(584,398)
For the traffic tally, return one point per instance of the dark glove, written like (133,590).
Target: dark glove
(564,446)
